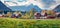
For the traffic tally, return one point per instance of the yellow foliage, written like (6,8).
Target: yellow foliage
(9,14)
(51,12)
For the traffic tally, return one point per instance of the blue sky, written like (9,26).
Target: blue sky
(48,3)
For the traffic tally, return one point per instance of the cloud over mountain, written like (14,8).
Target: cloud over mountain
(44,4)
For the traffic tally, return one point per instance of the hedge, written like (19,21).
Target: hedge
(29,23)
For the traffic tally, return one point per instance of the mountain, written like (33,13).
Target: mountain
(57,9)
(4,7)
(25,8)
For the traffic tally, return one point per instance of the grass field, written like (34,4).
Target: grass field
(29,23)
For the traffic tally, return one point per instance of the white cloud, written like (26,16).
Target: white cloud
(58,1)
(23,3)
(55,5)
(2,1)
(37,2)
(10,3)
(18,3)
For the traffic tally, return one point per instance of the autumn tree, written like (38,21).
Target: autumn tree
(51,12)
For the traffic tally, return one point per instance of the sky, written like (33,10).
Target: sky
(44,4)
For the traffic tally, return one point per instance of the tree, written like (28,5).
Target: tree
(32,11)
(51,12)
(30,14)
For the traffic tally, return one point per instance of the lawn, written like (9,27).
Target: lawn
(29,23)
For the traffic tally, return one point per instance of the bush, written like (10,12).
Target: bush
(28,23)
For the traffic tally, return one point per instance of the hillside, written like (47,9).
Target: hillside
(4,7)
(57,9)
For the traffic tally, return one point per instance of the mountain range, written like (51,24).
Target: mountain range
(57,9)
(25,8)
(4,7)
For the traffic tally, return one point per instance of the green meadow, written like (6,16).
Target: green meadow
(29,23)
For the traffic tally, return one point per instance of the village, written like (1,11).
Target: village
(32,14)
